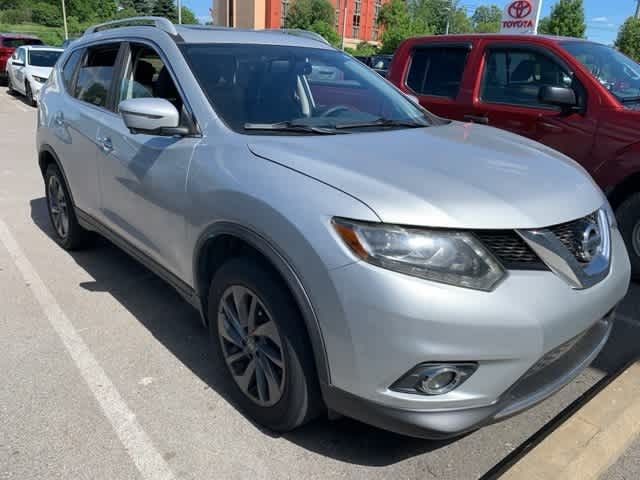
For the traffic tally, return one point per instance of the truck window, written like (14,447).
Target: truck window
(437,71)
(516,76)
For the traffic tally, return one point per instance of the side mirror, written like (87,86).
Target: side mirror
(152,116)
(562,97)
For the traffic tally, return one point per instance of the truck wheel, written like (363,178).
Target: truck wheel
(628,215)
(259,338)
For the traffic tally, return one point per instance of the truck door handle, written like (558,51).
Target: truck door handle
(477,119)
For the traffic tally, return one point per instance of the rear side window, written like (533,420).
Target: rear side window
(437,71)
(18,42)
(70,68)
(96,74)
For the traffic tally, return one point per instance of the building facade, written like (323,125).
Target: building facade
(356,20)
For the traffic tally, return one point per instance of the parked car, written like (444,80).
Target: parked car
(576,96)
(8,43)
(28,68)
(380,63)
(347,250)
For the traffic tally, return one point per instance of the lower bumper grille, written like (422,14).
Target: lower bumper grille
(556,368)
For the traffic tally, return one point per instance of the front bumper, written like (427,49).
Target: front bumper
(396,322)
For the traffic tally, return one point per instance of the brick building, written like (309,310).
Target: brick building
(356,20)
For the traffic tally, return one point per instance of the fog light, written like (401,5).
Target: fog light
(435,379)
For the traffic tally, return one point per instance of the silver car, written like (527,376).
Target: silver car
(349,252)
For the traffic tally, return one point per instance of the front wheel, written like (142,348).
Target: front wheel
(258,335)
(628,216)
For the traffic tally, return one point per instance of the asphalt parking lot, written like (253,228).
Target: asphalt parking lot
(106,371)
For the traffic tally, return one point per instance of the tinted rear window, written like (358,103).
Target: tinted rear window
(437,71)
(18,42)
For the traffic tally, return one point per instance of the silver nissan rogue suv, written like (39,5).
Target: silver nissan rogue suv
(349,251)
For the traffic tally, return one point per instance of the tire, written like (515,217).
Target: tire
(29,94)
(628,216)
(296,400)
(10,89)
(67,233)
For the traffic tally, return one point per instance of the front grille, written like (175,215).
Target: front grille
(569,234)
(515,254)
(512,251)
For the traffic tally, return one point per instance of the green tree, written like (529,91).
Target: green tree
(188,17)
(566,19)
(363,49)
(304,13)
(327,31)
(486,19)
(46,14)
(398,24)
(544,26)
(459,22)
(628,41)
(165,8)
(143,7)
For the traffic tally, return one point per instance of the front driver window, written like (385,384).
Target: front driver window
(147,77)
(516,76)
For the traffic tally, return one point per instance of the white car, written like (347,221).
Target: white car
(29,68)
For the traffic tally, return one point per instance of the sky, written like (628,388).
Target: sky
(603,17)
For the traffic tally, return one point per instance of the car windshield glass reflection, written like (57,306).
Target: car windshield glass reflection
(618,73)
(271,89)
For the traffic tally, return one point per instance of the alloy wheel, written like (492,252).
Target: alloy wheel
(58,207)
(251,345)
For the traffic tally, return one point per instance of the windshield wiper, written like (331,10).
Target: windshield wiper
(290,127)
(630,99)
(382,122)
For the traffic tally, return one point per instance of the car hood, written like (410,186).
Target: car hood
(456,175)
(43,72)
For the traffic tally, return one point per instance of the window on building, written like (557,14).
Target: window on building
(284,9)
(355,33)
(437,71)
(375,32)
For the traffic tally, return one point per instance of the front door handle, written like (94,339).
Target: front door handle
(477,119)
(105,144)
(58,120)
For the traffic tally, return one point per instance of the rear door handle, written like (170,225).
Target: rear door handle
(477,119)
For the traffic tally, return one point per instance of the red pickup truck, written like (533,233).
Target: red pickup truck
(578,97)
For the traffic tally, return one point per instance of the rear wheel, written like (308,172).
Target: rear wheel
(258,334)
(628,215)
(67,231)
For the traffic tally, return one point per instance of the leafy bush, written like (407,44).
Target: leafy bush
(46,14)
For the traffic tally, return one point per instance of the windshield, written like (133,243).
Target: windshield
(251,84)
(618,73)
(43,58)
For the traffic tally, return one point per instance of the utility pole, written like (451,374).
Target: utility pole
(638,10)
(179,12)
(344,23)
(64,21)
(449,10)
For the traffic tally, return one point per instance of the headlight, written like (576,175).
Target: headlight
(39,79)
(456,258)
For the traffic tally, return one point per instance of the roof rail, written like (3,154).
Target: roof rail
(299,33)
(158,22)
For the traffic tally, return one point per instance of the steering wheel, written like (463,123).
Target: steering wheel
(331,112)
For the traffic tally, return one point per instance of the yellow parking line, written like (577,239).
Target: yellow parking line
(591,440)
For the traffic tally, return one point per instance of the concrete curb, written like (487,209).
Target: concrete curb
(589,442)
